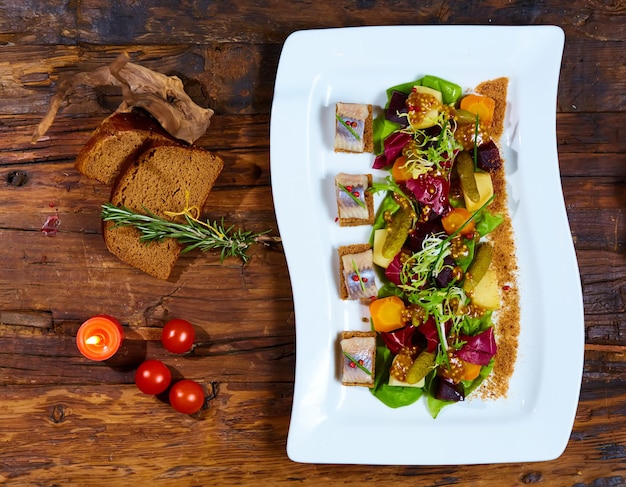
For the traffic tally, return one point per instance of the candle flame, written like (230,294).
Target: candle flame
(94,340)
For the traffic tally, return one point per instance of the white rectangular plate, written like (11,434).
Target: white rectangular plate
(335,424)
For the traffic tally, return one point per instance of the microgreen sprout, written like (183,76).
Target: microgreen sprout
(427,152)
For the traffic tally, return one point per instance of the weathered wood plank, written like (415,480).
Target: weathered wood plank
(233,78)
(227,78)
(99,427)
(272,21)
(59,22)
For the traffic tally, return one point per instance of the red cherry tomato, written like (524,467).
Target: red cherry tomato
(187,396)
(153,377)
(178,336)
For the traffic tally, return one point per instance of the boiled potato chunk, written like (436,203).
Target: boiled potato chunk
(486,293)
(485,189)
(400,383)
(379,241)
(429,91)
(430,118)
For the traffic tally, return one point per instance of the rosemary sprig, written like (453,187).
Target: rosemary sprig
(193,234)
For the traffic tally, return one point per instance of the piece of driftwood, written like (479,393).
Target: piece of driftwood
(162,96)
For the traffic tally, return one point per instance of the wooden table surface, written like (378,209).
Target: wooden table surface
(65,420)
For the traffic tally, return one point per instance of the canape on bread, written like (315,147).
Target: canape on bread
(355,204)
(356,269)
(359,358)
(353,128)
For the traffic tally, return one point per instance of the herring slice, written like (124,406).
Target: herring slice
(354,203)
(357,272)
(353,127)
(359,358)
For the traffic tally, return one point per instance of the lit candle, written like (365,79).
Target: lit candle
(100,337)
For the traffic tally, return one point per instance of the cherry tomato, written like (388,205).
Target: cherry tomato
(153,377)
(187,396)
(178,336)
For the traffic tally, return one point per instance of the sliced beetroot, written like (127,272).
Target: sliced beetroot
(423,230)
(488,157)
(447,391)
(446,276)
(431,191)
(396,107)
(393,146)
(478,349)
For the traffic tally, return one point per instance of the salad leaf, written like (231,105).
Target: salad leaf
(429,330)
(393,272)
(464,261)
(450,92)
(391,396)
(402,88)
(381,129)
(387,205)
(487,222)
(478,349)
(393,146)
(397,339)
(474,325)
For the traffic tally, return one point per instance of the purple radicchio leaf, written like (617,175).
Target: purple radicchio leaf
(398,339)
(393,146)
(394,269)
(429,330)
(478,349)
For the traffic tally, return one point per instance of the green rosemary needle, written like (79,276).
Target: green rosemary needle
(192,234)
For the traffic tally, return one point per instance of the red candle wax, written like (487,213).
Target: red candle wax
(100,337)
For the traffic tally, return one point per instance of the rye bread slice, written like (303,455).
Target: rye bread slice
(157,179)
(115,139)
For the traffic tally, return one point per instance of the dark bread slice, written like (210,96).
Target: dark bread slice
(157,179)
(115,139)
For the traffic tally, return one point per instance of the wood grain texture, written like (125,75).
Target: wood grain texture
(65,420)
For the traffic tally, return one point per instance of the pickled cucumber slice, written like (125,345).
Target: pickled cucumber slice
(397,231)
(465,169)
(478,267)
(421,366)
